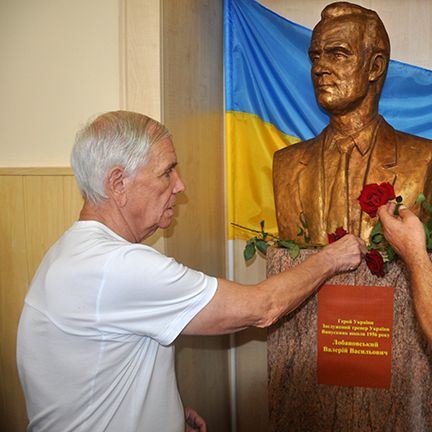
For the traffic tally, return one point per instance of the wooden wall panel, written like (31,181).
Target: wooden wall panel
(142,68)
(72,201)
(251,354)
(13,286)
(37,206)
(43,198)
(193,111)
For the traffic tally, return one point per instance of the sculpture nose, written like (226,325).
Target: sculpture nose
(320,66)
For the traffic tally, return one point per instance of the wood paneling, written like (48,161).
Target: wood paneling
(43,202)
(251,354)
(142,68)
(193,112)
(37,206)
(14,280)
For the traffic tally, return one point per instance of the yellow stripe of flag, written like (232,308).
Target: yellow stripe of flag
(251,144)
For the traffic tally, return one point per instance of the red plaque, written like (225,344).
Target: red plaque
(355,335)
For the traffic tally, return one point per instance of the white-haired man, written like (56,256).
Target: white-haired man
(95,337)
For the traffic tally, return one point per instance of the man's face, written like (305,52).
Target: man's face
(339,65)
(151,193)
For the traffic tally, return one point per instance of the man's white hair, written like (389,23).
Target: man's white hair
(117,138)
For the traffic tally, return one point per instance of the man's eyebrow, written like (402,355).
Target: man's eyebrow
(338,45)
(169,167)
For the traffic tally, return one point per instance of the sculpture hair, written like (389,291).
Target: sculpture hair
(117,138)
(375,34)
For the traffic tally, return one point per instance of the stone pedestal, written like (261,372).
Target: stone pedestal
(298,404)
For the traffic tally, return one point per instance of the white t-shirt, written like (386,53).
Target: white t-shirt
(94,336)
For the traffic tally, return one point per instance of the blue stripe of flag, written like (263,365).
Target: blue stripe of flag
(267,73)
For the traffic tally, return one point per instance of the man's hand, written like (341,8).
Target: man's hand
(404,232)
(194,422)
(346,253)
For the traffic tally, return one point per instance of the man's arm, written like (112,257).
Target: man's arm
(406,234)
(236,306)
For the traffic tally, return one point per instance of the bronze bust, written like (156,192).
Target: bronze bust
(320,179)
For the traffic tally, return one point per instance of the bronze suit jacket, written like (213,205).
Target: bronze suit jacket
(401,159)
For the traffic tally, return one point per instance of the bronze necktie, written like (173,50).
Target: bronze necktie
(339,204)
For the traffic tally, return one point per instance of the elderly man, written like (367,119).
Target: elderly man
(320,180)
(95,342)
(406,234)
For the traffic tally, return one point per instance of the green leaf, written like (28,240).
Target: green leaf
(294,251)
(377,229)
(293,248)
(377,238)
(420,199)
(399,199)
(428,237)
(262,246)
(300,231)
(288,244)
(249,251)
(391,254)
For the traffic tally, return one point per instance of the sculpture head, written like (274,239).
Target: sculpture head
(350,51)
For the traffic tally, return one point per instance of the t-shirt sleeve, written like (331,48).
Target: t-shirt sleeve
(147,293)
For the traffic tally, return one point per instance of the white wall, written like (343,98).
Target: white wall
(408,23)
(60,64)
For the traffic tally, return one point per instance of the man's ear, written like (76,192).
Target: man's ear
(377,68)
(116,186)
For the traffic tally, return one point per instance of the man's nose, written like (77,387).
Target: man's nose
(179,185)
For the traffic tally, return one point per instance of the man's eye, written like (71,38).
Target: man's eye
(339,55)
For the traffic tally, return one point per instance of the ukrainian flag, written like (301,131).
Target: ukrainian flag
(270,103)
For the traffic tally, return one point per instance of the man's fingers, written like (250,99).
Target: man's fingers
(363,247)
(404,212)
(386,211)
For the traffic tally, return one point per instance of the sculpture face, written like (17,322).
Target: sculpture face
(340,65)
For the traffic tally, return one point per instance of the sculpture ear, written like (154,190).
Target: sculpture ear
(115,185)
(378,65)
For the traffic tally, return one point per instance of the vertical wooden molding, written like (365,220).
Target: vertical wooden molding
(143,57)
(193,112)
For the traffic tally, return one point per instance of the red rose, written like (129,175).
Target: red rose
(339,233)
(374,195)
(375,262)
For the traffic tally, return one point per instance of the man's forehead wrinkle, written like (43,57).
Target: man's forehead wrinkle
(161,154)
(333,36)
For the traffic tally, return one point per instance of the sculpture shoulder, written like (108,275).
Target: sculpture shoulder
(413,144)
(294,152)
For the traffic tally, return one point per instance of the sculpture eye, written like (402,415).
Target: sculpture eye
(338,53)
(314,56)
